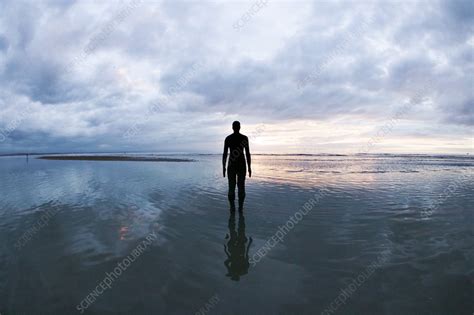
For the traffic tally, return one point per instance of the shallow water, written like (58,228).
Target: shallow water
(414,211)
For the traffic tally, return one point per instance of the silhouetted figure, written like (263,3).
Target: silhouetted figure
(236,169)
(237,249)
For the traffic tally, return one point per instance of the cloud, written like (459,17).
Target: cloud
(90,71)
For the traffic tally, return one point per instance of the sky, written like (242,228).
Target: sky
(300,76)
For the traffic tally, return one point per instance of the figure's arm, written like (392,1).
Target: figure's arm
(247,155)
(226,251)
(224,157)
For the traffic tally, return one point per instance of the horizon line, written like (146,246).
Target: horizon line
(210,153)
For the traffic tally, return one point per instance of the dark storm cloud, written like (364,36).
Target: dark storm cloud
(460,11)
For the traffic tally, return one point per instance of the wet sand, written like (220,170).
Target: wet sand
(112,158)
(401,224)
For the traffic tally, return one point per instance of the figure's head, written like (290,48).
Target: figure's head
(236,126)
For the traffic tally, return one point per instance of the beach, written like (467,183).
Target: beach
(110,158)
(325,234)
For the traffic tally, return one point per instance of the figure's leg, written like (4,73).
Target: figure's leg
(241,187)
(231,176)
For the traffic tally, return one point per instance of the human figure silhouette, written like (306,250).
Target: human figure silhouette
(236,169)
(237,249)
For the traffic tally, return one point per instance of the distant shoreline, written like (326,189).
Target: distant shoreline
(179,157)
(262,154)
(111,158)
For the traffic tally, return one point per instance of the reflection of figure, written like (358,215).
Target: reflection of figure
(237,252)
(236,171)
